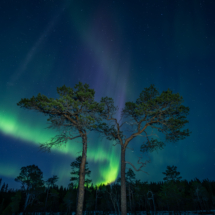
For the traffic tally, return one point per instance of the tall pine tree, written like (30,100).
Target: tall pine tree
(75,165)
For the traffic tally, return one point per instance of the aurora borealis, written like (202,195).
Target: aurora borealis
(118,48)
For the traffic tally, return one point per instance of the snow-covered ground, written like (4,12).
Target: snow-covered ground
(212,212)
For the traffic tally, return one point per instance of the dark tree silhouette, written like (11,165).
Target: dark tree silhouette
(178,196)
(130,177)
(50,182)
(30,176)
(171,174)
(75,166)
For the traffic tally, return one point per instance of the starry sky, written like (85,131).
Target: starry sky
(118,48)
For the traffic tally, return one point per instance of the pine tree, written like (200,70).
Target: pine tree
(163,112)
(75,165)
(75,111)
(171,174)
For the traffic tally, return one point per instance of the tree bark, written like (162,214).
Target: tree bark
(123,185)
(26,201)
(130,197)
(79,209)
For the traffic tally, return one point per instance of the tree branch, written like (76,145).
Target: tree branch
(59,141)
(142,165)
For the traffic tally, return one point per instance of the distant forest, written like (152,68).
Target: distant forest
(172,194)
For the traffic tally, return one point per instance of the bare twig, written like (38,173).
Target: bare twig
(142,165)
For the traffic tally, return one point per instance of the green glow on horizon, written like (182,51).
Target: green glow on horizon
(109,172)
(109,164)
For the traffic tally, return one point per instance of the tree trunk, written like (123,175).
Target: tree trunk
(130,197)
(79,209)
(26,201)
(96,200)
(2,203)
(46,198)
(123,185)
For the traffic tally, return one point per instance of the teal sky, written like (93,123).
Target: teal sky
(118,48)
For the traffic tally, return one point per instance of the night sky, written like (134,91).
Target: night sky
(118,48)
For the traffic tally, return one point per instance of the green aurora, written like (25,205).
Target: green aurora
(33,134)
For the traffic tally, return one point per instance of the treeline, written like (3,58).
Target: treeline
(173,194)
